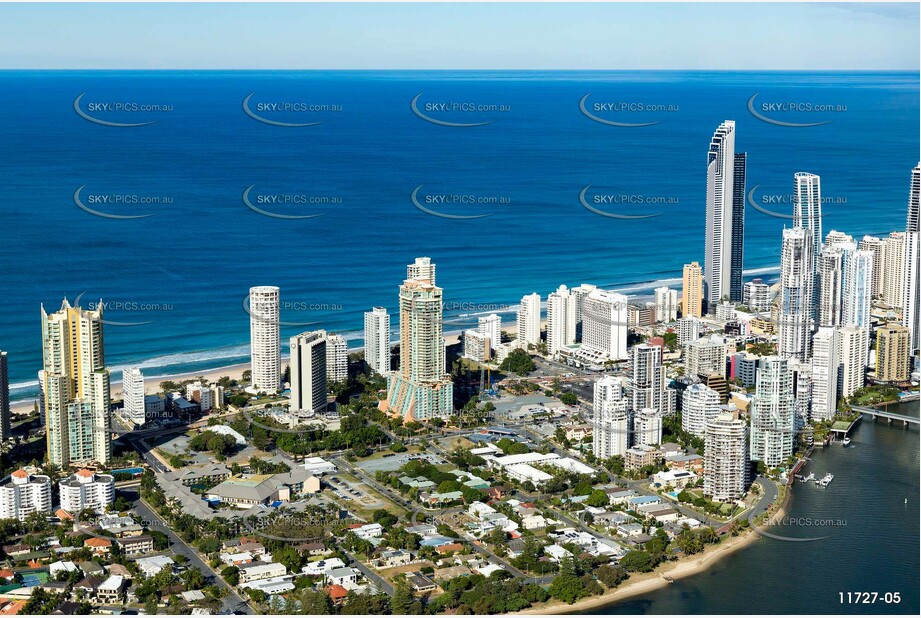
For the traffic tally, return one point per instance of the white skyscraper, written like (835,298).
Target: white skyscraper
(807,210)
(646,385)
(610,419)
(265,341)
(796,295)
(561,319)
(720,190)
(666,304)
(688,330)
(421,268)
(699,404)
(772,412)
(889,270)
(491,326)
(705,356)
(308,371)
(75,386)
(853,350)
(825,363)
(831,268)
(725,457)
(604,324)
(858,289)
(911,306)
(420,389)
(875,246)
(377,339)
(580,292)
(757,295)
(4,398)
(337,359)
(133,391)
(86,489)
(24,495)
(647,427)
(528,319)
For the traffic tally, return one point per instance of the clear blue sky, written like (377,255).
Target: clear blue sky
(460,36)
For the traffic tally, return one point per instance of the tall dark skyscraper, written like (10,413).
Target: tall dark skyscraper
(738,228)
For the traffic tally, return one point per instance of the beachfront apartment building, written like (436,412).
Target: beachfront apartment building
(133,394)
(24,494)
(4,398)
(308,371)
(75,386)
(604,325)
(692,290)
(491,326)
(646,384)
(265,338)
(337,359)
(722,254)
(757,295)
(666,300)
(377,339)
(528,319)
(420,389)
(561,319)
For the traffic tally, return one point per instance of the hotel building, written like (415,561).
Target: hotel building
(265,338)
(308,371)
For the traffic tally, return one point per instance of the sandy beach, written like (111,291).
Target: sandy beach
(643,583)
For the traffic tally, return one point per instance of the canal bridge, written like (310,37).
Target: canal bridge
(889,416)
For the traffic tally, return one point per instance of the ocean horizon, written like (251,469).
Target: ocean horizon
(513,158)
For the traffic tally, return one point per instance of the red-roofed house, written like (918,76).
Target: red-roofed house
(99,546)
(337,593)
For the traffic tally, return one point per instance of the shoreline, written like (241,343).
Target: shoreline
(643,583)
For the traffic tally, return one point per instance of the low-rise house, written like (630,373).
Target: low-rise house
(136,545)
(628,530)
(344,576)
(237,558)
(15,551)
(691,461)
(56,568)
(421,583)
(674,478)
(260,570)
(533,522)
(312,549)
(154,564)
(192,596)
(271,585)
(100,547)
(88,585)
(369,531)
(337,594)
(556,553)
(91,567)
(111,590)
(321,567)
(393,558)
(639,456)
(619,495)
(449,573)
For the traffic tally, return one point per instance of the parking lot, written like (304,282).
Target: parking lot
(389,464)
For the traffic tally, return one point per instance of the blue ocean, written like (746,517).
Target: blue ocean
(169,194)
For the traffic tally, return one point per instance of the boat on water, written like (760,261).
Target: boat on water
(806,479)
(825,480)
(846,441)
